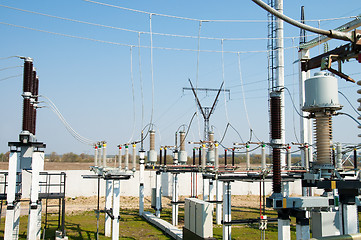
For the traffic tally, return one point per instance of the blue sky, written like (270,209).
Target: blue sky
(90,81)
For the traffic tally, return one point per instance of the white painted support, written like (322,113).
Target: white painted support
(205,189)
(248,158)
(218,205)
(99,155)
(203,151)
(280,72)
(120,158)
(284,232)
(211,190)
(108,205)
(141,182)
(34,220)
(302,232)
(134,155)
(13,208)
(175,207)
(227,210)
(350,219)
(263,157)
(116,209)
(158,194)
(126,164)
(96,156)
(104,154)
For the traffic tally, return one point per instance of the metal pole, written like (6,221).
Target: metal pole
(141,182)
(108,206)
(158,195)
(116,209)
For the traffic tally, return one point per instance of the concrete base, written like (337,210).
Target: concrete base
(189,235)
(59,237)
(165,226)
(284,231)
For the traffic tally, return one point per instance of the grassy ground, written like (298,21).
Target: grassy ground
(83,226)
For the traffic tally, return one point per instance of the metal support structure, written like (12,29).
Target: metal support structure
(227,210)
(175,207)
(108,206)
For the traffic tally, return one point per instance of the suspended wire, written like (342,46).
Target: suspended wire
(14,76)
(151,65)
(133,95)
(224,84)
(195,19)
(131,45)
(4,58)
(342,113)
(7,68)
(66,124)
(137,31)
(293,103)
(140,78)
(244,98)
(293,88)
(225,131)
(197,72)
(349,103)
(189,126)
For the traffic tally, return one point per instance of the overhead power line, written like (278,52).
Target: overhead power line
(195,19)
(144,32)
(131,45)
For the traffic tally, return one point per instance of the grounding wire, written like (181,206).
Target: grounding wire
(67,125)
(137,31)
(14,76)
(195,19)
(133,95)
(129,45)
(349,102)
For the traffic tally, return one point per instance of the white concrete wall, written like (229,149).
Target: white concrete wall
(77,186)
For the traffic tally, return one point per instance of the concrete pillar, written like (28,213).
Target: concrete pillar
(13,206)
(116,209)
(227,210)
(350,219)
(218,205)
(211,190)
(284,232)
(175,207)
(108,206)
(141,182)
(34,219)
(158,194)
(205,189)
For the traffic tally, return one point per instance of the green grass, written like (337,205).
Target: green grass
(83,225)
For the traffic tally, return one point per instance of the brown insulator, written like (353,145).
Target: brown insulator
(26,114)
(182,139)
(323,136)
(27,87)
(275,111)
(36,98)
(152,140)
(276,170)
(28,74)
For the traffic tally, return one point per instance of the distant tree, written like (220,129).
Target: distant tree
(70,157)
(4,157)
(54,157)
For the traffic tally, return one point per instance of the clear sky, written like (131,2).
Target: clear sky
(89,75)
